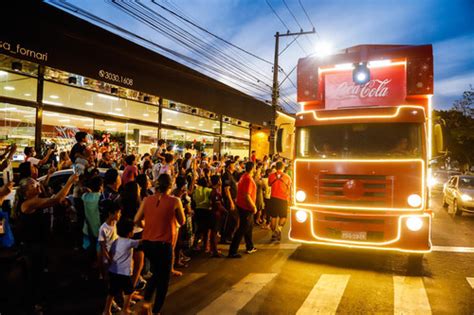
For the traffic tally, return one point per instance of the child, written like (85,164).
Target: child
(108,232)
(131,170)
(120,270)
(92,215)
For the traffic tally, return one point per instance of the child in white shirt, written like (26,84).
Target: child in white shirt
(120,270)
(108,232)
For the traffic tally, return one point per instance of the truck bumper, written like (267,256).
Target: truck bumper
(409,232)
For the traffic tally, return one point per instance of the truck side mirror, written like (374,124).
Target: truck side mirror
(438,140)
(279,140)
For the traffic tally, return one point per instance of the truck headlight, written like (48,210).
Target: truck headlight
(465,197)
(301,216)
(414,224)
(414,200)
(300,196)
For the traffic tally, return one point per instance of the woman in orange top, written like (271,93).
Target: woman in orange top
(161,214)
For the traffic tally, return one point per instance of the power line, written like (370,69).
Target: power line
(206,31)
(284,24)
(147,43)
(294,17)
(193,43)
(186,20)
(309,19)
(297,22)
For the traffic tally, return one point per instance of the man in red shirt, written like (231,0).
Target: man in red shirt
(246,196)
(280,184)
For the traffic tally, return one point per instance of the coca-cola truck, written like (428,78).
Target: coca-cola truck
(363,149)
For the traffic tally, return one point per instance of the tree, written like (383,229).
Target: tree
(459,128)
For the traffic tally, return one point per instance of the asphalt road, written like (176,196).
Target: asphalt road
(293,279)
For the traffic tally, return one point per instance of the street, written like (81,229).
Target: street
(293,279)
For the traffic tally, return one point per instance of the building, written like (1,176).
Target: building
(60,74)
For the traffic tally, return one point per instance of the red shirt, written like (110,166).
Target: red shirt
(280,184)
(129,174)
(246,186)
(160,218)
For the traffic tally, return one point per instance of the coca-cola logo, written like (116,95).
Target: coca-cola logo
(373,89)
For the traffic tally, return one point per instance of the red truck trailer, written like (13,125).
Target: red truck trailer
(362,149)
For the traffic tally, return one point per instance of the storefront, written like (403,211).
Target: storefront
(69,75)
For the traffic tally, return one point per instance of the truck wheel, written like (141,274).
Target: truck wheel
(456,209)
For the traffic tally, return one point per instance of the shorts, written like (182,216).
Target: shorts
(278,208)
(120,283)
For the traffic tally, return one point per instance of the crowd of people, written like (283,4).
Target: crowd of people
(141,219)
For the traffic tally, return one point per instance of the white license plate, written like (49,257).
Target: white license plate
(358,236)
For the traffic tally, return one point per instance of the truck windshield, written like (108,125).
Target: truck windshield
(373,140)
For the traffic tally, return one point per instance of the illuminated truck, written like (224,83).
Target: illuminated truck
(362,149)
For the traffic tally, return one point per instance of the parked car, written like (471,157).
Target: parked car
(56,182)
(458,194)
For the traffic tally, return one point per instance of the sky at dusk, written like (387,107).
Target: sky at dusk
(250,24)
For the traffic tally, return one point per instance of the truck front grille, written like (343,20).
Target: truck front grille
(376,190)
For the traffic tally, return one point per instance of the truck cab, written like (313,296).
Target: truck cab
(362,149)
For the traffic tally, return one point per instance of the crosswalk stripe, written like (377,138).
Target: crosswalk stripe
(471,282)
(240,294)
(186,280)
(410,296)
(325,296)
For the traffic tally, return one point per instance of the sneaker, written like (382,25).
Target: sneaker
(147,276)
(115,307)
(185,258)
(251,251)
(234,256)
(141,284)
(274,236)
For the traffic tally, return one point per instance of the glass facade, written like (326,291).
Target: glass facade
(113,116)
(17,125)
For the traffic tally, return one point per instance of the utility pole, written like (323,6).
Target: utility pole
(276,87)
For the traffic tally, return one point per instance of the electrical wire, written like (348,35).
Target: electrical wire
(297,22)
(309,19)
(147,43)
(285,25)
(231,67)
(191,43)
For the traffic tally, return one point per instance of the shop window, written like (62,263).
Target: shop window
(178,119)
(67,96)
(17,86)
(17,125)
(235,147)
(60,129)
(235,131)
(141,139)
(190,142)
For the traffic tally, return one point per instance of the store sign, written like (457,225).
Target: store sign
(387,87)
(18,49)
(114,77)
